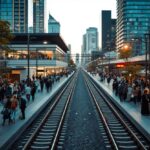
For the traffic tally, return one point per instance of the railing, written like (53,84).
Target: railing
(23,63)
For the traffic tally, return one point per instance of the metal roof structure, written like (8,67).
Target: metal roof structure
(40,38)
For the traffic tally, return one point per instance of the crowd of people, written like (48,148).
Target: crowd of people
(17,95)
(137,90)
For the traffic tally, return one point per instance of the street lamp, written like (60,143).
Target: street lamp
(147,52)
(45,70)
(28,56)
(36,62)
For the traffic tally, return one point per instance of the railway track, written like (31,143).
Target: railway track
(118,132)
(46,131)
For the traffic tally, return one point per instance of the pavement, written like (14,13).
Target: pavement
(8,132)
(133,111)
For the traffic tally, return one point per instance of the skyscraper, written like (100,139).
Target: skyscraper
(106,27)
(83,50)
(108,31)
(16,13)
(91,39)
(90,43)
(53,25)
(133,22)
(39,14)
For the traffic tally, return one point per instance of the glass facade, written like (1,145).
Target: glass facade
(35,53)
(15,12)
(133,22)
(39,16)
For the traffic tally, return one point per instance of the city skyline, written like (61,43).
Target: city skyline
(75,18)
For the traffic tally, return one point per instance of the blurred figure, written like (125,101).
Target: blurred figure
(145,102)
(22,105)
(14,104)
(28,92)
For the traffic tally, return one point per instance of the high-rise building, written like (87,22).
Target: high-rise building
(39,16)
(133,22)
(53,25)
(106,27)
(108,31)
(90,43)
(113,35)
(91,40)
(77,59)
(16,13)
(83,49)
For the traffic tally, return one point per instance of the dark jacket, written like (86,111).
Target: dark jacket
(22,103)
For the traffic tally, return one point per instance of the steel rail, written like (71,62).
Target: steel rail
(54,144)
(119,117)
(115,147)
(26,146)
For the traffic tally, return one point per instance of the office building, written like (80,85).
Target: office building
(47,55)
(77,59)
(53,25)
(90,43)
(108,32)
(133,22)
(83,50)
(39,16)
(16,13)
(91,40)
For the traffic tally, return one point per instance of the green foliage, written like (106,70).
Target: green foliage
(133,69)
(125,53)
(92,67)
(5,34)
(71,62)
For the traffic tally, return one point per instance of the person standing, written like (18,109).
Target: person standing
(7,111)
(14,104)
(41,84)
(145,103)
(33,90)
(22,104)
(28,92)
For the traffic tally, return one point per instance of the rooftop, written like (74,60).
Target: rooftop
(40,38)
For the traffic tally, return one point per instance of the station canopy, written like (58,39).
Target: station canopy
(40,38)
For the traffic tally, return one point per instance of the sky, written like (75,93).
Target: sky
(75,16)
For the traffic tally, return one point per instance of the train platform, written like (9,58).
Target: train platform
(133,111)
(10,131)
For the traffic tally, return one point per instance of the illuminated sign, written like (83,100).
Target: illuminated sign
(120,65)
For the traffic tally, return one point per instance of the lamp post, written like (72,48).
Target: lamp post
(28,56)
(109,62)
(146,41)
(147,52)
(45,70)
(36,62)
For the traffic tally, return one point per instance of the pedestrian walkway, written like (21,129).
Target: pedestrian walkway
(9,132)
(132,110)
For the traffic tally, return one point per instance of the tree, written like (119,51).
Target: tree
(5,35)
(71,62)
(92,67)
(125,52)
(131,69)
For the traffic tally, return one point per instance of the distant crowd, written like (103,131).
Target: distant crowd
(14,96)
(137,90)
